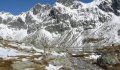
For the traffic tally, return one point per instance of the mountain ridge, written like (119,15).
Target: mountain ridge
(72,23)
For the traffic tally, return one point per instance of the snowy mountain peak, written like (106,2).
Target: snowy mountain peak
(67,2)
(67,20)
(40,7)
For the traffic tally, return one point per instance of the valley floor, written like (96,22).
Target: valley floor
(16,56)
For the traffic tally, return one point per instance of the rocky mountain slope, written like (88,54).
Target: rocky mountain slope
(64,28)
(68,23)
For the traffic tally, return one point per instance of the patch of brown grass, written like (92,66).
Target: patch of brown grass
(109,49)
(110,67)
(112,50)
(37,66)
(81,55)
(6,64)
(41,62)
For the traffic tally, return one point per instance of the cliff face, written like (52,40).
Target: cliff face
(110,6)
(117,3)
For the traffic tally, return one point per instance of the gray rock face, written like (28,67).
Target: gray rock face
(1,38)
(0,20)
(112,6)
(106,6)
(38,8)
(118,32)
(59,17)
(54,13)
(116,6)
(32,28)
(59,28)
(47,7)
(19,23)
(29,18)
(117,2)
(7,21)
(67,2)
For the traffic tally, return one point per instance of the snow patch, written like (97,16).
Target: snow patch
(6,52)
(93,56)
(51,67)
(58,54)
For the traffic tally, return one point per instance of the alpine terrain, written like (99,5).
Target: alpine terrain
(70,35)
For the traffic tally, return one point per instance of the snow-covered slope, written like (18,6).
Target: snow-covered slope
(66,24)
(12,33)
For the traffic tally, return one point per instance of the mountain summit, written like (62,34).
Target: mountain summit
(67,2)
